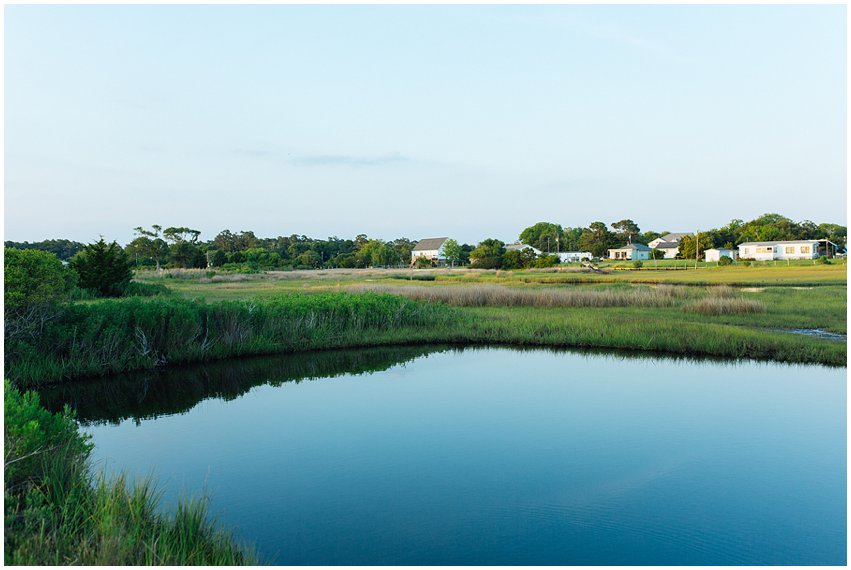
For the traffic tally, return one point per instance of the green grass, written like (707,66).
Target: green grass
(295,311)
(58,513)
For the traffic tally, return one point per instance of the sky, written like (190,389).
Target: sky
(419,121)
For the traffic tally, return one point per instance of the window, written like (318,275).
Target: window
(765,249)
(790,249)
(805,249)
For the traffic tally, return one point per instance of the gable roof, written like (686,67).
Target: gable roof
(676,236)
(637,246)
(428,244)
(520,247)
(780,242)
(667,245)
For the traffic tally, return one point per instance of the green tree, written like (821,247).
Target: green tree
(687,244)
(149,244)
(627,230)
(597,239)
(33,277)
(488,254)
(545,236)
(452,251)
(547,261)
(103,267)
(570,239)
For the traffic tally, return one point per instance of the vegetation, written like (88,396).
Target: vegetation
(33,277)
(62,248)
(130,334)
(104,268)
(56,512)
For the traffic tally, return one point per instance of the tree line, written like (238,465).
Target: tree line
(181,247)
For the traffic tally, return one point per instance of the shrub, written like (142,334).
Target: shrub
(822,260)
(638,264)
(33,277)
(725,260)
(103,267)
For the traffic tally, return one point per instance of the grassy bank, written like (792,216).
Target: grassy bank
(57,513)
(87,339)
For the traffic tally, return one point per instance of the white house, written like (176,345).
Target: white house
(633,251)
(770,250)
(521,247)
(716,254)
(431,249)
(669,243)
(574,256)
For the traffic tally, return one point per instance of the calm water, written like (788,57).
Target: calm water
(493,456)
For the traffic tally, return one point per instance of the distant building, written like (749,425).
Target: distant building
(716,254)
(431,249)
(669,243)
(521,247)
(574,256)
(793,249)
(633,251)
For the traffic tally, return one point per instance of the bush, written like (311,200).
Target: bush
(638,264)
(104,268)
(725,260)
(822,260)
(33,277)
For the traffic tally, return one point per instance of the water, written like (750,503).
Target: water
(493,456)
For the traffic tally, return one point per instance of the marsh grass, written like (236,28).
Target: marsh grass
(502,296)
(131,334)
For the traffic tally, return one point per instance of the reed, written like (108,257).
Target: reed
(501,296)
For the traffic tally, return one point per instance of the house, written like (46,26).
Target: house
(792,249)
(716,254)
(431,249)
(574,256)
(521,247)
(633,251)
(669,243)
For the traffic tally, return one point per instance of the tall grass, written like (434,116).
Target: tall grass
(501,296)
(57,513)
(130,334)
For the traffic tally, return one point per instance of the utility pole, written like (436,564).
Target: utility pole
(696,247)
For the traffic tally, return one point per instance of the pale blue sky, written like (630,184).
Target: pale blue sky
(419,121)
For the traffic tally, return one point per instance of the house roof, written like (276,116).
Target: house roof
(780,242)
(429,244)
(519,247)
(638,246)
(676,236)
(667,245)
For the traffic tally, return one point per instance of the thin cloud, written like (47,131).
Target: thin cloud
(348,160)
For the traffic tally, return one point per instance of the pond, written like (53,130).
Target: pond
(491,456)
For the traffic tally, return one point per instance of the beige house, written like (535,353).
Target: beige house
(669,243)
(431,249)
(793,249)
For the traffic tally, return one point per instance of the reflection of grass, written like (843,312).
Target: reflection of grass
(176,390)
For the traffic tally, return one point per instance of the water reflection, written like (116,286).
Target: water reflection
(151,394)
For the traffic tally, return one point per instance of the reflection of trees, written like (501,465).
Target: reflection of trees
(151,394)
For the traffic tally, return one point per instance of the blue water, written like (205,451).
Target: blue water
(497,456)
